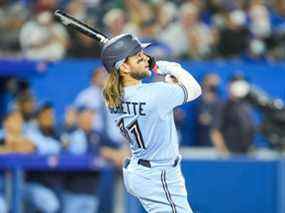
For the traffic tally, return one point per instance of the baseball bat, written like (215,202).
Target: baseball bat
(79,26)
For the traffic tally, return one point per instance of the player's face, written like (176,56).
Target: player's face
(139,65)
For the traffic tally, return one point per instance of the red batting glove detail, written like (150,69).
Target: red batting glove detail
(155,69)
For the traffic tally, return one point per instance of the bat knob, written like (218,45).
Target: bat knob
(62,17)
(58,12)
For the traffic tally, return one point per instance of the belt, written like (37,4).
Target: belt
(147,163)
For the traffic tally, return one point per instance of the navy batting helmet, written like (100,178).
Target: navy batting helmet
(117,49)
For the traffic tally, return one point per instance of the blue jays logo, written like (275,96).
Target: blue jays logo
(119,45)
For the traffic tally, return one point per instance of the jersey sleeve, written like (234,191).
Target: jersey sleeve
(168,96)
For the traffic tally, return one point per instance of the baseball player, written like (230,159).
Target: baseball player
(144,114)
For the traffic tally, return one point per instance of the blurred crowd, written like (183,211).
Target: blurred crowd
(196,29)
(192,29)
(30,127)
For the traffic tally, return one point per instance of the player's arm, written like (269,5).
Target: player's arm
(190,86)
(166,96)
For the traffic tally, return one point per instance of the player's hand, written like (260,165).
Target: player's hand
(166,67)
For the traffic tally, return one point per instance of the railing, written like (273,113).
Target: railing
(233,184)
(18,164)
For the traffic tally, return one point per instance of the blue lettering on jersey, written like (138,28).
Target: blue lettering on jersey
(132,108)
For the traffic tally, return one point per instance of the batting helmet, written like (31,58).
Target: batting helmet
(117,49)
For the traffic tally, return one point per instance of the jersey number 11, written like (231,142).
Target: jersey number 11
(134,129)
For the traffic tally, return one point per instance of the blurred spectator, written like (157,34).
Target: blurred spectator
(8,90)
(234,38)
(166,20)
(188,37)
(260,25)
(81,46)
(166,13)
(210,114)
(257,50)
(43,39)
(70,123)
(84,139)
(81,188)
(77,9)
(237,126)
(23,87)
(116,23)
(26,105)
(260,28)
(42,185)
(12,17)
(139,11)
(199,36)
(44,135)
(174,35)
(92,98)
(12,138)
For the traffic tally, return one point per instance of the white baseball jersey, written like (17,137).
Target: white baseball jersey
(145,117)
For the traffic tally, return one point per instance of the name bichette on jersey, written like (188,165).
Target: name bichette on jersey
(132,108)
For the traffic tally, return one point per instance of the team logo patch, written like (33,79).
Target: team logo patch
(119,45)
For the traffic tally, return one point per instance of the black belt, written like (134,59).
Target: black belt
(147,163)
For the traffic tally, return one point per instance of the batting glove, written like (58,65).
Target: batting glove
(166,67)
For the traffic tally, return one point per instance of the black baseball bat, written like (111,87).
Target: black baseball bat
(75,24)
